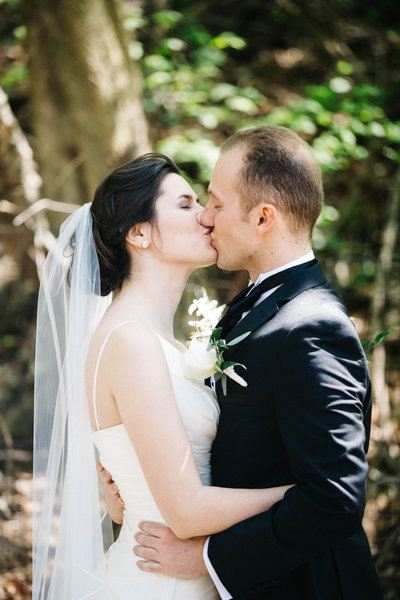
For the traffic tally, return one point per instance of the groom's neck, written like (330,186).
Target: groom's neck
(277,257)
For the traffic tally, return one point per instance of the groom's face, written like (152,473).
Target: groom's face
(231,230)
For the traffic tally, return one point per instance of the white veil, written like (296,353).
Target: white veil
(70,528)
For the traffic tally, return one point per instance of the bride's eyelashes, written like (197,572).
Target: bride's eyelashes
(192,203)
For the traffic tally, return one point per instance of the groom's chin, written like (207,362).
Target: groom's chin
(221,264)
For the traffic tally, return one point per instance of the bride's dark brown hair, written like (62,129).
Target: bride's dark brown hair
(125,197)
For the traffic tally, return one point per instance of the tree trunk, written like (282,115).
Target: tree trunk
(385,264)
(86,94)
(20,186)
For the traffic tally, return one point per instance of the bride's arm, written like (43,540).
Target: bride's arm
(138,377)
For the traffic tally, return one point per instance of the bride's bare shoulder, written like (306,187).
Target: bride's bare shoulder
(120,336)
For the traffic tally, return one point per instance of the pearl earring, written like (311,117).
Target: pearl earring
(145,244)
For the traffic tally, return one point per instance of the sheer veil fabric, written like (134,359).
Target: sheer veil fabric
(70,527)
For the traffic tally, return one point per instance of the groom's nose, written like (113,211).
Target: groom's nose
(206,218)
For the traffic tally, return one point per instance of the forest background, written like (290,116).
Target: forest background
(89,84)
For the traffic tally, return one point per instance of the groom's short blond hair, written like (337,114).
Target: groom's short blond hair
(279,168)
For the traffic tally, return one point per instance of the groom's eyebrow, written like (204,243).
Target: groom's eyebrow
(213,194)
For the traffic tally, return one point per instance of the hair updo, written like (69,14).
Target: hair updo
(125,197)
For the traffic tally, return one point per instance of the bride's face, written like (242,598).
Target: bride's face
(177,233)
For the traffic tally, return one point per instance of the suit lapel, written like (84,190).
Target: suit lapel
(268,308)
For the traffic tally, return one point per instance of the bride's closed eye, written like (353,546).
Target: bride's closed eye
(190,203)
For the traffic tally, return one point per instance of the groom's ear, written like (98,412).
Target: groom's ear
(267,216)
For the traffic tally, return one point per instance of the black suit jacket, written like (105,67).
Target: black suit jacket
(304,418)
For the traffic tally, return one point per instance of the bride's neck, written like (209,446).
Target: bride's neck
(152,297)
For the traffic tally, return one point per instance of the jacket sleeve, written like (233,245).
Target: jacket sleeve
(319,400)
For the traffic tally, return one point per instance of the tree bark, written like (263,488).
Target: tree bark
(86,94)
(20,187)
(385,263)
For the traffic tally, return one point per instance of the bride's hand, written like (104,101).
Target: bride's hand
(115,504)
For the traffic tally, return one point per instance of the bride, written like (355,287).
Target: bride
(110,384)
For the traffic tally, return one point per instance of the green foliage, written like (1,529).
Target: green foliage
(369,345)
(191,148)
(185,87)
(184,76)
(220,345)
(11,3)
(342,120)
(15,74)
(15,70)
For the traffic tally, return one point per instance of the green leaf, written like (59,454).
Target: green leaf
(216,334)
(223,382)
(367,344)
(228,363)
(167,18)
(238,339)
(344,68)
(221,345)
(382,335)
(227,39)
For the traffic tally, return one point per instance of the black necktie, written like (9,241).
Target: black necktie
(246,299)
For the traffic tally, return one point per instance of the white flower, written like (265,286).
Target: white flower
(210,314)
(205,355)
(199,359)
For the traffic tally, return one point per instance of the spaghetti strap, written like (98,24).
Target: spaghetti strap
(97,368)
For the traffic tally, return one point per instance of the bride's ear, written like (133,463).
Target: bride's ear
(138,236)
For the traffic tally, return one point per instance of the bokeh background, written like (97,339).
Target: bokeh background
(86,85)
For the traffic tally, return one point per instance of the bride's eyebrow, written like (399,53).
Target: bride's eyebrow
(188,197)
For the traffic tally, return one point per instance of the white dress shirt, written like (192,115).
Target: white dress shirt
(223,592)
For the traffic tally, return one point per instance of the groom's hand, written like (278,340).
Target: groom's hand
(164,553)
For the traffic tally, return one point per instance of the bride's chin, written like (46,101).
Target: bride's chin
(207,263)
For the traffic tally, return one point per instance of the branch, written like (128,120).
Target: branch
(44,204)
(29,178)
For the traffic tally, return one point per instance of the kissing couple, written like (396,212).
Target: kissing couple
(256,494)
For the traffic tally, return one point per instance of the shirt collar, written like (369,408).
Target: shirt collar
(297,261)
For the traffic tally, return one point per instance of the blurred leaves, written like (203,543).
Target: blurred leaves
(369,345)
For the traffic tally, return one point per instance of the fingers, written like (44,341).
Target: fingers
(154,529)
(104,475)
(149,566)
(146,553)
(146,540)
(107,481)
(112,490)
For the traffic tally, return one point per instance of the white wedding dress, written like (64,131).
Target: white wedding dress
(199,411)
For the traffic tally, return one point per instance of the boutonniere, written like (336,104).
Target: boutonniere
(205,354)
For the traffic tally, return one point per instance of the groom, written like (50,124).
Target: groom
(304,417)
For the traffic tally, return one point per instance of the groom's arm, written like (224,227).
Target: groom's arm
(319,409)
